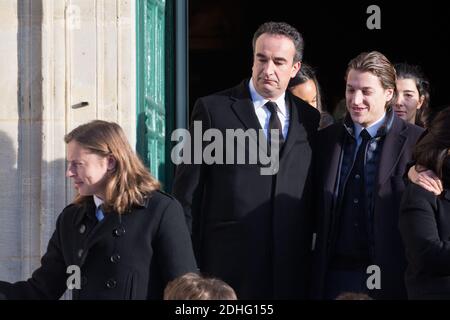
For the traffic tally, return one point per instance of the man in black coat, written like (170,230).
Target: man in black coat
(250,228)
(359,183)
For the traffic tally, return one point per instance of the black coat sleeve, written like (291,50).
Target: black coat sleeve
(426,251)
(173,243)
(189,178)
(46,282)
(173,253)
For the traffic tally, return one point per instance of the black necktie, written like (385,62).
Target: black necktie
(274,123)
(359,159)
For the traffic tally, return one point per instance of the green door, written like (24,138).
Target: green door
(162,88)
(151,85)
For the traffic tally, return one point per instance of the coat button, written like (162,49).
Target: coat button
(115,258)
(82,229)
(118,232)
(355,201)
(83,281)
(111,284)
(80,253)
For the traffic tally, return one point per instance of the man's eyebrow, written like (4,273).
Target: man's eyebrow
(280,59)
(363,88)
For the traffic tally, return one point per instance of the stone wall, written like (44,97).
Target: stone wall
(56,56)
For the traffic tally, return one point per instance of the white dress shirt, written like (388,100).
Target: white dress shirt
(98,202)
(263,113)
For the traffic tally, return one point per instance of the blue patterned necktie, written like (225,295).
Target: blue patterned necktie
(99,213)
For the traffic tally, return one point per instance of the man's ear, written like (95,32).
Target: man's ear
(111,162)
(389,94)
(295,68)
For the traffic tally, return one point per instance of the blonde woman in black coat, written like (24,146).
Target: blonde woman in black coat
(425,218)
(121,238)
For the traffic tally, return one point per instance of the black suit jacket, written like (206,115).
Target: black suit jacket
(425,228)
(389,186)
(131,256)
(252,230)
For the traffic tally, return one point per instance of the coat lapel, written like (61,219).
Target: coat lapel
(245,111)
(243,106)
(393,148)
(330,176)
(297,132)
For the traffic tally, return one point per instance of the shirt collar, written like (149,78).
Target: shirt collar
(98,201)
(372,129)
(259,101)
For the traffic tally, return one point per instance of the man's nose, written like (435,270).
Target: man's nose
(357,98)
(269,68)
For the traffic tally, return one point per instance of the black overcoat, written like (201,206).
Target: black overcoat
(249,229)
(129,256)
(425,229)
(389,252)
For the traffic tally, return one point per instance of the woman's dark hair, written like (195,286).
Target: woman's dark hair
(433,150)
(413,72)
(306,73)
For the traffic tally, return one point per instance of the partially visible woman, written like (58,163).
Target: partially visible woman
(121,238)
(413,94)
(306,86)
(425,217)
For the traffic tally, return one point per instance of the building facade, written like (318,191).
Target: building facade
(64,63)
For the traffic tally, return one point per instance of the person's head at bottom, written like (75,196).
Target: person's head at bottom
(353,296)
(192,286)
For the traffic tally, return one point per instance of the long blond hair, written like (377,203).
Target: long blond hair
(129,182)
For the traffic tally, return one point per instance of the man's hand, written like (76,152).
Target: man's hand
(427,179)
